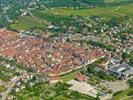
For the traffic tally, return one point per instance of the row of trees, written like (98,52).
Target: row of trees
(129,56)
(102,45)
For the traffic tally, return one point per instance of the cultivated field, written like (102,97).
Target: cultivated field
(123,95)
(27,22)
(39,17)
(107,12)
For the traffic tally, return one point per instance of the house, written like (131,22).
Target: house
(81,78)
(46,58)
(123,70)
(115,61)
(64,37)
(54,79)
(101,67)
(10,97)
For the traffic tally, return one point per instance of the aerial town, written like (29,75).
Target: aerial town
(66,50)
(50,59)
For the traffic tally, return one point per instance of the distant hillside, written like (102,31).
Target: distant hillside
(117,1)
(74,3)
(11,9)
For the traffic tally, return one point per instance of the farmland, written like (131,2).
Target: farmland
(106,12)
(27,22)
(123,95)
(64,15)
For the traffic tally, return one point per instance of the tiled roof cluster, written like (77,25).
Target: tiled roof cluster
(39,54)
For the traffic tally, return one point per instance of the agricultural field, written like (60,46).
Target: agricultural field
(27,22)
(107,12)
(41,18)
(116,1)
(124,94)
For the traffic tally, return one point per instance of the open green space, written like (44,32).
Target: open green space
(69,76)
(2,89)
(27,22)
(49,15)
(5,74)
(107,12)
(43,91)
(116,1)
(63,15)
(123,95)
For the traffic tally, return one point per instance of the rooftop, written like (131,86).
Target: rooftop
(45,57)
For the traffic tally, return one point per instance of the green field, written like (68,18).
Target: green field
(123,95)
(27,22)
(107,12)
(59,91)
(2,89)
(70,76)
(115,1)
(5,74)
(58,15)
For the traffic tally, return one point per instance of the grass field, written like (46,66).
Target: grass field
(123,95)
(107,12)
(70,76)
(63,14)
(114,1)
(27,22)
(2,89)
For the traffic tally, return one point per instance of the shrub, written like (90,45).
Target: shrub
(117,93)
(130,93)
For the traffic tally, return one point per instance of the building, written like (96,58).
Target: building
(81,78)
(123,70)
(54,79)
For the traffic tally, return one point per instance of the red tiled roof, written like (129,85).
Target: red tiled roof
(32,52)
